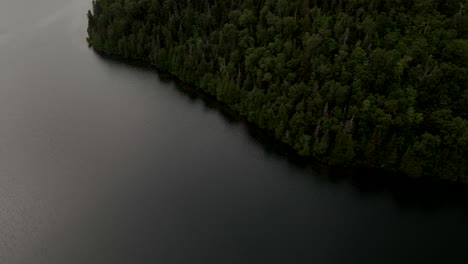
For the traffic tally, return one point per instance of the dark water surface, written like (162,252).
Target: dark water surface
(102,162)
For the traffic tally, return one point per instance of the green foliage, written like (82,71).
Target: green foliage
(371,83)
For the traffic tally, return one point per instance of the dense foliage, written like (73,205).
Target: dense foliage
(374,83)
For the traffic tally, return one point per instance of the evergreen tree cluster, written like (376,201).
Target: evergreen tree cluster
(372,83)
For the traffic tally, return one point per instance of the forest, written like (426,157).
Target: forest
(362,83)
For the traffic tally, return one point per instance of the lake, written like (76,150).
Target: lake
(104,162)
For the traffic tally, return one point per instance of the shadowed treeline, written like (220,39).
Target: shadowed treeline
(427,194)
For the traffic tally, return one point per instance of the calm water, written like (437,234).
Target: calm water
(101,162)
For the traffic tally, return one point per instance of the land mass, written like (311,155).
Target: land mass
(378,84)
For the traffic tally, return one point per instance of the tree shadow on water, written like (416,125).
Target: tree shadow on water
(407,193)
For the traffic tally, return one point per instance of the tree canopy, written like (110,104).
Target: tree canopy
(374,83)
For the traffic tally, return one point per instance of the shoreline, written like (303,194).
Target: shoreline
(271,144)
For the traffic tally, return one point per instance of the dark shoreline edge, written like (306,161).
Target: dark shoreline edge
(363,178)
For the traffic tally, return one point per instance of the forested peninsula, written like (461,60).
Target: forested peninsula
(364,83)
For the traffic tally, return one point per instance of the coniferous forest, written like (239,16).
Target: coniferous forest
(367,83)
